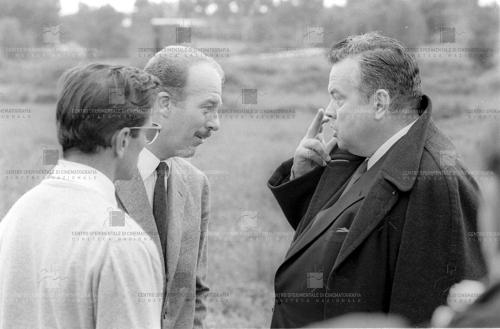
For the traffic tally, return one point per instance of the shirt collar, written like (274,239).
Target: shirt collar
(379,153)
(86,176)
(148,162)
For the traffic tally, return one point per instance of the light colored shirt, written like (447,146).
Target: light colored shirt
(86,176)
(69,258)
(147,164)
(384,148)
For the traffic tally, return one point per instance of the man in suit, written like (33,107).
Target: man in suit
(169,197)
(69,258)
(381,212)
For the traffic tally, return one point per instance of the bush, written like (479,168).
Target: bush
(12,36)
(484,36)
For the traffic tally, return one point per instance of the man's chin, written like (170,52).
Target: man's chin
(187,152)
(343,146)
(340,144)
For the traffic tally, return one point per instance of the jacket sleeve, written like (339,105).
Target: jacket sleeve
(202,266)
(436,250)
(293,196)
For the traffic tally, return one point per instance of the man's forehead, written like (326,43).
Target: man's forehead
(344,73)
(203,78)
(204,94)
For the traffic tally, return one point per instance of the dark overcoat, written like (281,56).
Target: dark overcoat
(409,237)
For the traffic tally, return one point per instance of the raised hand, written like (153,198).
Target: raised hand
(312,151)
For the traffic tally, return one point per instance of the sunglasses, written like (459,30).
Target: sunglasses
(150,132)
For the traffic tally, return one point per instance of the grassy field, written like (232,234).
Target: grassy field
(248,234)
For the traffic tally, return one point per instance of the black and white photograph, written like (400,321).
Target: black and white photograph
(248,164)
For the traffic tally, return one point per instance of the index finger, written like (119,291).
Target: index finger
(315,126)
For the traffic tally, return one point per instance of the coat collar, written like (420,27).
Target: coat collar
(86,176)
(335,174)
(403,162)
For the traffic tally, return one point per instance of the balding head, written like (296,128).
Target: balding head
(172,64)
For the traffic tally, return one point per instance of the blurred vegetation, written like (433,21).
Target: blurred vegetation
(282,82)
(31,17)
(260,25)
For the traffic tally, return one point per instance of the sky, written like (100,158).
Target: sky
(127,6)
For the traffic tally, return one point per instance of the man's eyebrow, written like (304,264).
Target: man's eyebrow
(212,101)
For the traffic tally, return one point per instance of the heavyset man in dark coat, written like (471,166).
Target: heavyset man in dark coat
(383,211)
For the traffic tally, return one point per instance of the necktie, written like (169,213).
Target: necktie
(160,205)
(357,174)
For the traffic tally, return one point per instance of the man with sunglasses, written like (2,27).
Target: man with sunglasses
(69,258)
(169,196)
(150,133)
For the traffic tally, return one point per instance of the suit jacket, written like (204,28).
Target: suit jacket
(187,218)
(407,242)
(66,263)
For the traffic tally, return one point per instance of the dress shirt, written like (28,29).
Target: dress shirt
(147,164)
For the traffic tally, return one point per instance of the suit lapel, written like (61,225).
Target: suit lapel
(176,196)
(132,196)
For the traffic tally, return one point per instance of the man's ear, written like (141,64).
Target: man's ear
(163,104)
(381,102)
(120,142)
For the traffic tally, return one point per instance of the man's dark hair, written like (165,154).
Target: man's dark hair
(171,65)
(384,64)
(96,100)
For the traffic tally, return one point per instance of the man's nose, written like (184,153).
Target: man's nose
(331,111)
(213,122)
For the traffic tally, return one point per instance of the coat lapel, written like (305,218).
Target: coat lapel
(314,232)
(377,204)
(353,195)
(132,196)
(176,196)
(332,180)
